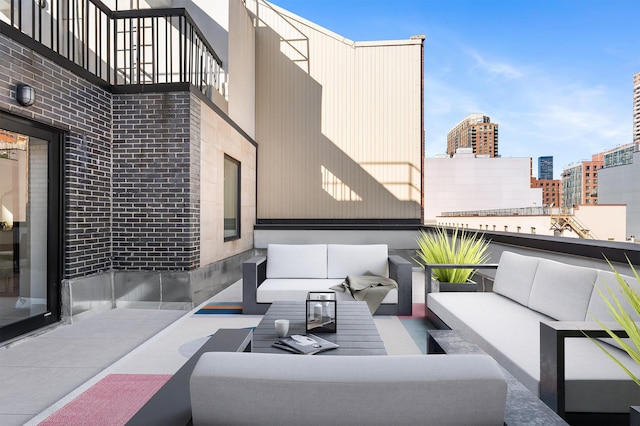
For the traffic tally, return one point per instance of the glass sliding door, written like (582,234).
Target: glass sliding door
(30,237)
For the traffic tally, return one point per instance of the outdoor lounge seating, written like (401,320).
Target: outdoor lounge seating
(523,324)
(253,388)
(290,271)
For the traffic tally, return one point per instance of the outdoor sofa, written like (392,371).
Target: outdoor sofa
(278,389)
(533,324)
(290,271)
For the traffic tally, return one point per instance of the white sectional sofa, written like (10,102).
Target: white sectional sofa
(278,389)
(506,323)
(289,271)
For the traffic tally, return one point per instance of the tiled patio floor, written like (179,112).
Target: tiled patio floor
(42,373)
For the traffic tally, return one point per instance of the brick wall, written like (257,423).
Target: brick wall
(154,213)
(66,101)
(154,162)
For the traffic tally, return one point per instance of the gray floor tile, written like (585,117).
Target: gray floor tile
(38,371)
(13,419)
(33,389)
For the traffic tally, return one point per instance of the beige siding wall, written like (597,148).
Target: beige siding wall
(242,68)
(217,139)
(338,123)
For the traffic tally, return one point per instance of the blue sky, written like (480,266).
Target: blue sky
(556,75)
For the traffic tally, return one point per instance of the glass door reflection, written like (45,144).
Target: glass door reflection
(23,226)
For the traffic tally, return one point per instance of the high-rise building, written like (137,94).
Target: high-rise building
(476,131)
(545,168)
(636,107)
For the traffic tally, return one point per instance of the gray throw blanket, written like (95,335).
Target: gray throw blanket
(370,288)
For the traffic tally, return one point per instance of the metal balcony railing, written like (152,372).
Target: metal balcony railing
(128,47)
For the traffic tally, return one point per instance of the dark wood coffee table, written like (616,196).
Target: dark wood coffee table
(356,333)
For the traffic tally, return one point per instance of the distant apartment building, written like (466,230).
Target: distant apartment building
(621,155)
(580,182)
(551,191)
(545,168)
(477,132)
(620,177)
(467,182)
(621,185)
(636,107)
(595,222)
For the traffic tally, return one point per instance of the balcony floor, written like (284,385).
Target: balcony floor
(44,372)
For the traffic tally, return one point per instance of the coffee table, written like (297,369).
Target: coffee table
(356,333)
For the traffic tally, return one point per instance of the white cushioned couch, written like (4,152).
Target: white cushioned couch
(239,388)
(506,323)
(289,271)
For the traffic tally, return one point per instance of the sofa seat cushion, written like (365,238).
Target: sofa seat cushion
(596,384)
(281,389)
(506,330)
(344,260)
(510,333)
(297,261)
(272,290)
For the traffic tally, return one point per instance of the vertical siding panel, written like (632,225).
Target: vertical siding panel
(356,113)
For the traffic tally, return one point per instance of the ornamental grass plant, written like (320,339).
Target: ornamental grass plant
(625,316)
(435,246)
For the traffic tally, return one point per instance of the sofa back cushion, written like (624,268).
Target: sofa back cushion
(278,389)
(562,291)
(514,276)
(345,260)
(598,309)
(297,261)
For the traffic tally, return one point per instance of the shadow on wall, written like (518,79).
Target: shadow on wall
(304,173)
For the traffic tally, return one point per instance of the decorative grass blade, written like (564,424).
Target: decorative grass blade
(623,318)
(436,247)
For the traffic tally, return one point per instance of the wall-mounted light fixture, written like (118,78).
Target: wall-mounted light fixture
(25,95)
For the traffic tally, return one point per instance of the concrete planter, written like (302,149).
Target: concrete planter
(451,287)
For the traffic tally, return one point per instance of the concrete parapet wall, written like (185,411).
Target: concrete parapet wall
(396,240)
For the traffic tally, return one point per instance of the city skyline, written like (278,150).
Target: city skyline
(556,75)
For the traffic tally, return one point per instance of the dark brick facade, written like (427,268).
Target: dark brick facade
(155,208)
(66,101)
(131,165)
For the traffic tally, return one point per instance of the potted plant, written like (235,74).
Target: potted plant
(627,321)
(462,248)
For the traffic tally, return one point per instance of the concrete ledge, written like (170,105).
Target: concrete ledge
(174,290)
(394,239)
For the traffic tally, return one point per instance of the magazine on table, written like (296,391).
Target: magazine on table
(305,344)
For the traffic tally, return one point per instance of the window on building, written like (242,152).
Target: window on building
(231,198)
